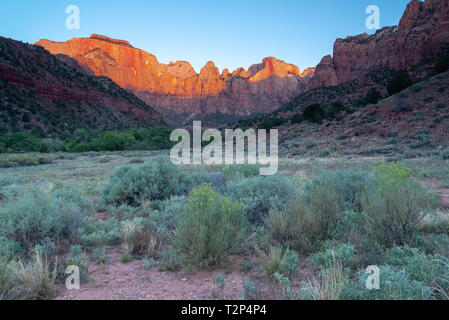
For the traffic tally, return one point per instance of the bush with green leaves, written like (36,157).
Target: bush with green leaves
(334,109)
(297,118)
(169,211)
(139,237)
(399,82)
(396,205)
(314,113)
(432,270)
(99,233)
(281,261)
(211,228)
(394,285)
(240,171)
(442,64)
(36,217)
(77,257)
(155,180)
(445,154)
(344,253)
(260,194)
(342,189)
(373,96)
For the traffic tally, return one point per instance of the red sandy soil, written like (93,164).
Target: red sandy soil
(119,281)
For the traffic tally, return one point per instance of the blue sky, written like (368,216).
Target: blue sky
(232,33)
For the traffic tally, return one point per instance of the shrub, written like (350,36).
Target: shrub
(100,233)
(240,171)
(394,285)
(139,237)
(170,210)
(344,253)
(442,64)
(431,270)
(132,184)
(36,217)
(314,113)
(76,257)
(36,277)
(281,261)
(328,285)
(399,82)
(297,118)
(445,154)
(8,180)
(373,96)
(395,205)
(211,227)
(260,195)
(343,189)
(334,109)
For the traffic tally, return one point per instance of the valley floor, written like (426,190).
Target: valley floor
(114,279)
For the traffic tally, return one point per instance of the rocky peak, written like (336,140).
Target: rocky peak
(421,34)
(181,69)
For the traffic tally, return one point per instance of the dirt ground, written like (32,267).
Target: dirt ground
(131,281)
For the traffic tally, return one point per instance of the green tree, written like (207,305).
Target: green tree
(399,82)
(373,96)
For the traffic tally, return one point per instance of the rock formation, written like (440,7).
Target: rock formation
(177,88)
(422,33)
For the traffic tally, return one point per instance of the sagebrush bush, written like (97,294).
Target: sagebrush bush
(281,261)
(211,227)
(139,237)
(329,284)
(445,154)
(394,285)
(77,257)
(431,270)
(343,190)
(240,171)
(169,211)
(99,233)
(35,217)
(36,277)
(330,254)
(133,184)
(396,205)
(260,195)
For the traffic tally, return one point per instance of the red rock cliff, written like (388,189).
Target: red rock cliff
(177,87)
(422,32)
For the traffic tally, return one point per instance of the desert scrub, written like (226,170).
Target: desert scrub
(431,270)
(36,277)
(99,233)
(330,254)
(396,205)
(329,284)
(169,211)
(240,171)
(77,257)
(260,195)
(139,237)
(211,227)
(394,285)
(134,184)
(35,217)
(281,261)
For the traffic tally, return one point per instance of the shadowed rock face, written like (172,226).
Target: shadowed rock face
(57,86)
(178,88)
(422,32)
